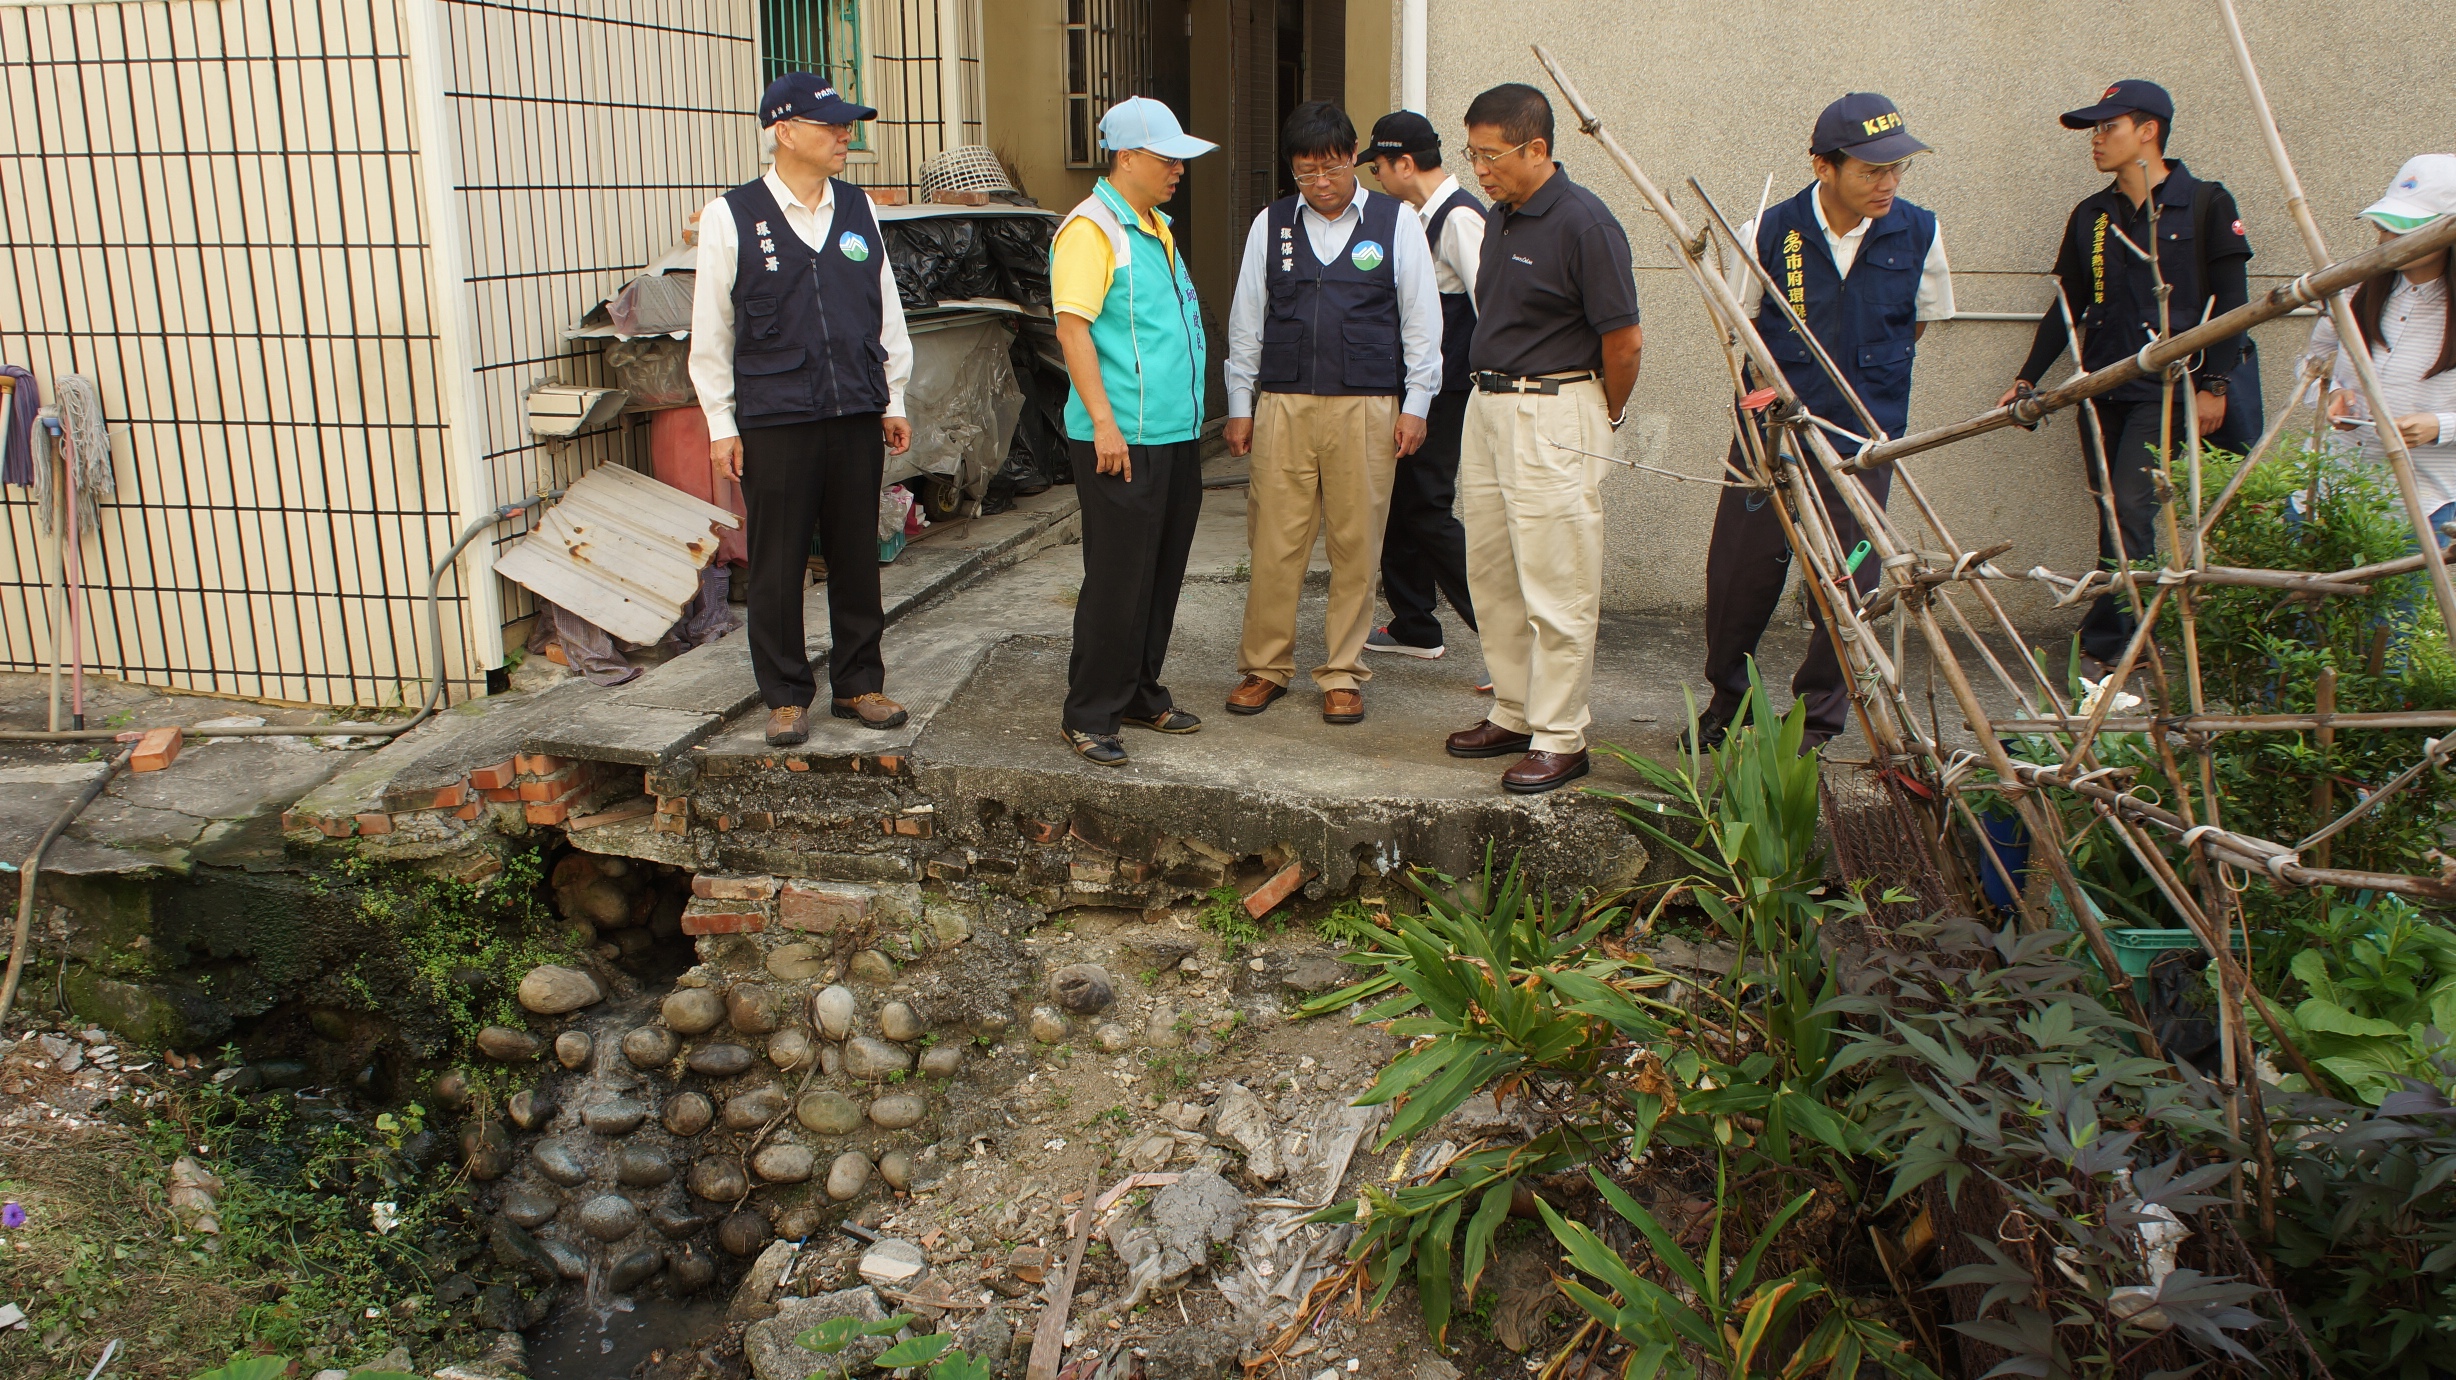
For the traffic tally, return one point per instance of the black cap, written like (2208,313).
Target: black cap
(2128,97)
(1400,131)
(808,96)
(1866,126)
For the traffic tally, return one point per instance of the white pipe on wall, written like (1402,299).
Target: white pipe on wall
(1412,54)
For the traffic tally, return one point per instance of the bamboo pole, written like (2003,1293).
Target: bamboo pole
(2349,336)
(2324,790)
(2434,238)
(2380,720)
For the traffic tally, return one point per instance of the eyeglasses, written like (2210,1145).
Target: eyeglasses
(1164,161)
(1326,176)
(2110,126)
(1476,156)
(1875,174)
(820,124)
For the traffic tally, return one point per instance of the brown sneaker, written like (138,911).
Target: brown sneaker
(788,725)
(874,710)
(1253,695)
(1343,706)
(1487,739)
(1538,772)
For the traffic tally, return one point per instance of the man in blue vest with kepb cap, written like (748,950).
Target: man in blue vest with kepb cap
(1866,270)
(1131,330)
(799,355)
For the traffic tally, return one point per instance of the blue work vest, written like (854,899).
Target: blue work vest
(806,321)
(1332,329)
(1865,321)
(1457,308)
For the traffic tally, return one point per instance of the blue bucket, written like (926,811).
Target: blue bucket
(2011,839)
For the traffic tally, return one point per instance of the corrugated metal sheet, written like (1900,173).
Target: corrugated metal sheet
(621,550)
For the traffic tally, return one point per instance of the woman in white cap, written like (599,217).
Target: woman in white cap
(2404,319)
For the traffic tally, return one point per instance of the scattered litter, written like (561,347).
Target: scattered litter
(893,1261)
(193,1190)
(387,1217)
(11,1316)
(1241,1118)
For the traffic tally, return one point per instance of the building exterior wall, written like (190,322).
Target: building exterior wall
(215,212)
(1728,93)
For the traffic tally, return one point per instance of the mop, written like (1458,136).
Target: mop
(85,468)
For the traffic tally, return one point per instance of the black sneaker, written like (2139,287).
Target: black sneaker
(1170,720)
(1711,729)
(1105,748)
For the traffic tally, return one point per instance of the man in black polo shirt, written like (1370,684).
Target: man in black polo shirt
(1554,358)
(2113,292)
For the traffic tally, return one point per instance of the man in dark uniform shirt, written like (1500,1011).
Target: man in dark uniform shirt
(2113,293)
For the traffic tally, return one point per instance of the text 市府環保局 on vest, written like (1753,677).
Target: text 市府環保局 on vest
(1331,329)
(806,344)
(1867,321)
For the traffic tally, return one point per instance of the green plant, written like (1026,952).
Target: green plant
(1716,1321)
(1224,915)
(1117,1118)
(274,1367)
(2381,1015)
(934,1350)
(441,929)
(1348,922)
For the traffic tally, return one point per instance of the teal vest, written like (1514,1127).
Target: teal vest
(1149,334)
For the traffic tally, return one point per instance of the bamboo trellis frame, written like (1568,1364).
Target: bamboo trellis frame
(1788,447)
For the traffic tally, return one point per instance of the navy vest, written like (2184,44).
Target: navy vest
(1866,321)
(1332,329)
(1457,308)
(806,321)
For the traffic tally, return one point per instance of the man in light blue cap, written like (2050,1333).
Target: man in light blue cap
(1132,333)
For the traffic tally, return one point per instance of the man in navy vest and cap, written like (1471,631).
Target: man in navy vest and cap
(1337,325)
(1424,549)
(1866,270)
(799,355)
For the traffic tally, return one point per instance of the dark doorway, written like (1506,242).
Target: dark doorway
(1171,82)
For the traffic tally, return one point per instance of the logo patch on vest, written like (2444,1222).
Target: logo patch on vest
(1366,256)
(853,246)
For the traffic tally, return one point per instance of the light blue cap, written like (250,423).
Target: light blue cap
(1139,122)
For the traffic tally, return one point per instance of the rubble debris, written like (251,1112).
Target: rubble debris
(1240,1117)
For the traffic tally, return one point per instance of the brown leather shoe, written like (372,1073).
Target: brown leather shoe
(1538,772)
(788,725)
(1488,739)
(874,710)
(1343,706)
(1253,695)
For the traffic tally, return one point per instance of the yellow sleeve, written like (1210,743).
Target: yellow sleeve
(1080,263)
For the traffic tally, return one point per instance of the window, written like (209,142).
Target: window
(822,36)
(1108,58)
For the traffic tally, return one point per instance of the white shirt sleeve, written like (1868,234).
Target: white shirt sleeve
(1935,302)
(1419,312)
(720,248)
(1736,272)
(1245,312)
(1462,246)
(891,333)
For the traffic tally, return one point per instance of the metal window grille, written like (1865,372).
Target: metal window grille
(1108,58)
(918,62)
(822,36)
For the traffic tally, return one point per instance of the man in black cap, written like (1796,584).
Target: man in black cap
(1424,549)
(2113,292)
(799,355)
(1866,270)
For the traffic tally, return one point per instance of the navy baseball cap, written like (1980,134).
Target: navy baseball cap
(2130,96)
(1866,126)
(1400,132)
(808,96)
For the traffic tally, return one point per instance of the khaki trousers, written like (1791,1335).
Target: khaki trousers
(1317,462)
(1534,518)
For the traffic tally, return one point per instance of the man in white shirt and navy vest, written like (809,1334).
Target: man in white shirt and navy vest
(1424,549)
(800,357)
(1337,326)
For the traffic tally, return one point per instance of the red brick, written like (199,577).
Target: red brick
(723,918)
(502,795)
(1279,888)
(155,749)
(549,812)
(797,764)
(948,197)
(813,906)
(1042,831)
(451,797)
(714,887)
(553,787)
(470,810)
(915,826)
(885,196)
(375,822)
(889,766)
(725,823)
(336,827)
(1133,870)
(949,867)
(496,777)
(636,808)
(673,804)
(538,764)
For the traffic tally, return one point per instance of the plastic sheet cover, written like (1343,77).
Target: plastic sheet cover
(963,402)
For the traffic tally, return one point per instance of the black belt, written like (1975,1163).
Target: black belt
(1488,381)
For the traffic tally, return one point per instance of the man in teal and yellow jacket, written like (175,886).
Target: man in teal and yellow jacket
(1132,333)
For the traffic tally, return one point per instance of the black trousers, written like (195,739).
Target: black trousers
(2131,429)
(1135,539)
(823,476)
(1424,549)
(1747,563)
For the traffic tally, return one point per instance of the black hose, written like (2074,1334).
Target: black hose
(434,684)
(33,868)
